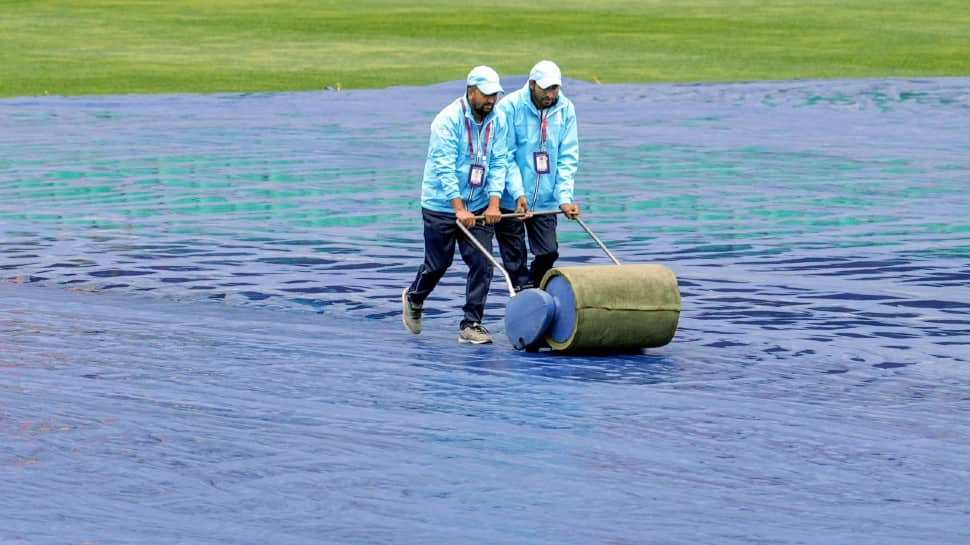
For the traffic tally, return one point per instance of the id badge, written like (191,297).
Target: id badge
(541,160)
(476,176)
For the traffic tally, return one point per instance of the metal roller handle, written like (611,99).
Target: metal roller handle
(597,240)
(471,237)
(505,274)
(521,214)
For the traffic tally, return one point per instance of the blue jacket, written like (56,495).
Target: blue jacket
(449,160)
(545,191)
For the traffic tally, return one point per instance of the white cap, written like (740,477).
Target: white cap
(546,74)
(485,79)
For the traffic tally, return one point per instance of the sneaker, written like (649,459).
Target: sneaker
(474,334)
(410,313)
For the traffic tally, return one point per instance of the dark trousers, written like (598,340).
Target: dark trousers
(511,235)
(441,232)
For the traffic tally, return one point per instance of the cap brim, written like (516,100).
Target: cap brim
(548,82)
(490,88)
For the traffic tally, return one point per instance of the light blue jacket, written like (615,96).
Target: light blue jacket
(545,191)
(449,160)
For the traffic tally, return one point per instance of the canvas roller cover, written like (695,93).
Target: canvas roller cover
(612,307)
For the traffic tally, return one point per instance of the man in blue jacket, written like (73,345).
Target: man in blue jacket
(464,177)
(543,158)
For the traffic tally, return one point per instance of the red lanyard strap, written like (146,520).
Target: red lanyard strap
(468,128)
(543,125)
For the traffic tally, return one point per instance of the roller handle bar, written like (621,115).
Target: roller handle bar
(508,279)
(520,214)
(486,253)
(578,220)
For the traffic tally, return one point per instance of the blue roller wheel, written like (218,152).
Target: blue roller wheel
(563,325)
(527,317)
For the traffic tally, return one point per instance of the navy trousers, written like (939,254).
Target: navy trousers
(441,232)
(511,235)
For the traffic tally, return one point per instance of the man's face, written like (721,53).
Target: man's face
(481,103)
(543,98)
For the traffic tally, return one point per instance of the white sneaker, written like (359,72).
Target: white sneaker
(410,313)
(474,334)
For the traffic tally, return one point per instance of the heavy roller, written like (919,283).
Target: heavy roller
(592,308)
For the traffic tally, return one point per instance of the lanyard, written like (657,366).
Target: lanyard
(543,126)
(468,128)
(543,136)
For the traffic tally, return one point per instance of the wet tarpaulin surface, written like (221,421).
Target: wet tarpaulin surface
(200,337)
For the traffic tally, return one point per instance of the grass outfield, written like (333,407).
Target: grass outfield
(162,46)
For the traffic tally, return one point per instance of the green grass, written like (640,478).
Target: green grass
(161,46)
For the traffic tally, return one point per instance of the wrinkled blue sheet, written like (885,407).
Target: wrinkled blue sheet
(200,338)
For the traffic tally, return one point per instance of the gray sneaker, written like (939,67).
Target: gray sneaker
(474,334)
(410,313)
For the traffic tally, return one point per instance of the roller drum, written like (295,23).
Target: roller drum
(612,307)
